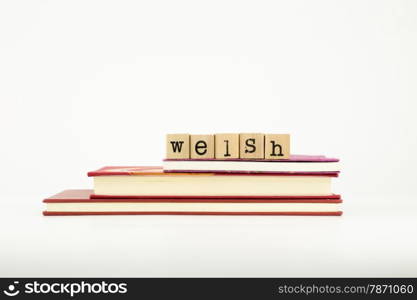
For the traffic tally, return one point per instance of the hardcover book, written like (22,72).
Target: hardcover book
(153,182)
(78,202)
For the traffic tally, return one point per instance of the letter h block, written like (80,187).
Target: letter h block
(277,146)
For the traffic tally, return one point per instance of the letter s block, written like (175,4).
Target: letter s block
(277,146)
(202,146)
(252,145)
(178,146)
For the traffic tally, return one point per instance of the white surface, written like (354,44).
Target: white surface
(90,83)
(365,241)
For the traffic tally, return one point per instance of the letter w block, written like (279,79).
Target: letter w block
(178,146)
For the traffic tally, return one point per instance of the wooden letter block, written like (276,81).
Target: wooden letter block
(277,146)
(202,146)
(252,145)
(178,146)
(226,145)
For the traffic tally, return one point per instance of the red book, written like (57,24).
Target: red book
(140,182)
(78,202)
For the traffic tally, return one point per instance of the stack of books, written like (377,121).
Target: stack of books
(298,185)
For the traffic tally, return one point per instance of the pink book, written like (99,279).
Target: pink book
(296,164)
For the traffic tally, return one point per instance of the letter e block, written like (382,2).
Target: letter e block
(226,145)
(277,146)
(202,146)
(178,146)
(252,145)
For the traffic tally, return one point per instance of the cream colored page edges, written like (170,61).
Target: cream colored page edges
(196,207)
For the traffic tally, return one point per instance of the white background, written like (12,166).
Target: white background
(85,84)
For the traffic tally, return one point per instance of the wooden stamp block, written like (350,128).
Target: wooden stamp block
(178,146)
(252,145)
(226,145)
(277,146)
(202,146)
